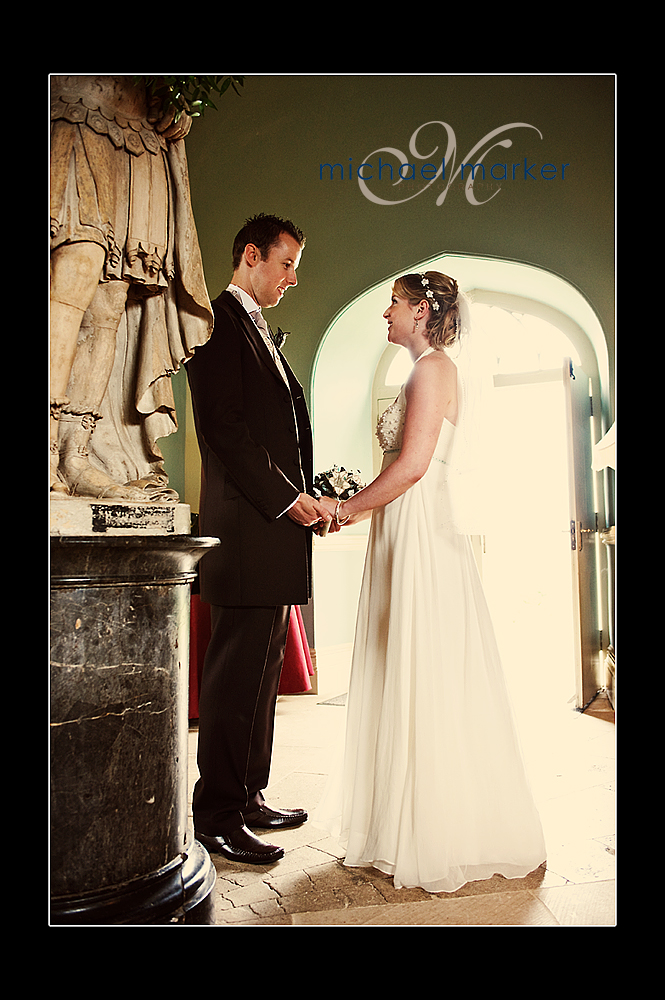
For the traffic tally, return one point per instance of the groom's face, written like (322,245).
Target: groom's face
(270,277)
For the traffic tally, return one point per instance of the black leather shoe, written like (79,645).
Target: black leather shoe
(241,845)
(265,818)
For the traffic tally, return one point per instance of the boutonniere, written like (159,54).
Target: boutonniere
(279,338)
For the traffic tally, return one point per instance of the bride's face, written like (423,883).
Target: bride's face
(400,316)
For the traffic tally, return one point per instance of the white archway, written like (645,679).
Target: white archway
(342,396)
(352,346)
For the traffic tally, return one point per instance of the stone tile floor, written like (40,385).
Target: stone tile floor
(571,760)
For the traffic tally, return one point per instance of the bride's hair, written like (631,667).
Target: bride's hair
(443,325)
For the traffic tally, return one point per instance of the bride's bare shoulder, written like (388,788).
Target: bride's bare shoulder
(438,365)
(435,384)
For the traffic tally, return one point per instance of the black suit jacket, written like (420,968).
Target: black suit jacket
(255,441)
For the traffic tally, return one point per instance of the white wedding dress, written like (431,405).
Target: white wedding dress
(431,787)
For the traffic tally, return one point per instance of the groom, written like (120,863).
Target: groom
(256,451)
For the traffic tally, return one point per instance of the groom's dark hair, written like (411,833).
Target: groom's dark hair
(264,231)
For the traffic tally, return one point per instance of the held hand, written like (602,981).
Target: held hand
(308,511)
(349,519)
(331,506)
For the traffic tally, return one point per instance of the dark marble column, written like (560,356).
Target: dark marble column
(121,852)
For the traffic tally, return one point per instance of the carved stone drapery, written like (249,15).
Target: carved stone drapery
(121,185)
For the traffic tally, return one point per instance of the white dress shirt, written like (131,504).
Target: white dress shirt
(254,310)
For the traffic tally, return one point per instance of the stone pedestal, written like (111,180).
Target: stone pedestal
(77,516)
(121,852)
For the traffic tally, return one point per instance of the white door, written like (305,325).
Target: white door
(525,552)
(585,548)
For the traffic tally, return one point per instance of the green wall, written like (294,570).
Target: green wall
(262,152)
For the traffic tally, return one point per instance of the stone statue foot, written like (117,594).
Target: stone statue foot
(94,484)
(155,487)
(82,478)
(57,487)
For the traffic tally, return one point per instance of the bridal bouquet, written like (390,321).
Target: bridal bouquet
(338,484)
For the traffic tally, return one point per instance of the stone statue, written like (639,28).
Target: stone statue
(129,302)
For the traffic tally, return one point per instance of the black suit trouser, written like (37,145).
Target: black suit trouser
(239,686)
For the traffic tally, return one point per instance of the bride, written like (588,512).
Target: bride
(431,788)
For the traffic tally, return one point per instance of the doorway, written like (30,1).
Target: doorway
(525,556)
(540,319)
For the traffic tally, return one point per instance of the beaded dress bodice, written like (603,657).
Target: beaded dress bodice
(390,426)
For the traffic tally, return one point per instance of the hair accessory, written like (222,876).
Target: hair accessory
(428,292)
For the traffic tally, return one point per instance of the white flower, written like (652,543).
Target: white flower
(430,294)
(338,483)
